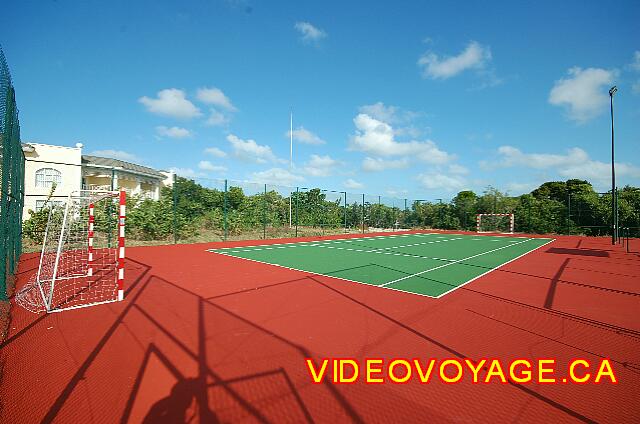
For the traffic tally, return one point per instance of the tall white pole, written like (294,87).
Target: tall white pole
(290,159)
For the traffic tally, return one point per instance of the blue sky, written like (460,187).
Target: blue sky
(416,100)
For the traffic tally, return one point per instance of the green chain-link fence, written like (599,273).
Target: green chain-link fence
(202,210)
(12,177)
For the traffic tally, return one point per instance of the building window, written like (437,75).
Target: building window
(51,203)
(45,177)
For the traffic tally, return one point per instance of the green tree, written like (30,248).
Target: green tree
(464,207)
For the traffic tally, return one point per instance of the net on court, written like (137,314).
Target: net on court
(430,264)
(82,253)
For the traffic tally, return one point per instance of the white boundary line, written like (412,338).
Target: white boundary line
(383,286)
(453,263)
(347,240)
(323,275)
(327,241)
(493,269)
(388,251)
(380,250)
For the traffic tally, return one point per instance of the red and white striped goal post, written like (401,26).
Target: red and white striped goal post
(122,200)
(510,215)
(121,219)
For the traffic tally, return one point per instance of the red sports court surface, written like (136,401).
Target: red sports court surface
(211,338)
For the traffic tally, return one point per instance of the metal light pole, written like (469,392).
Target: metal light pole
(614,224)
(290,159)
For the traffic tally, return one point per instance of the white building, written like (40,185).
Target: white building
(70,170)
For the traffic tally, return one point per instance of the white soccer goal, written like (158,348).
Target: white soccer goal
(82,258)
(495,223)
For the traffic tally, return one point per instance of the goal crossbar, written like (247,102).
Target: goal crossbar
(496,217)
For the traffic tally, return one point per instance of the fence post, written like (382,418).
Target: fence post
(345,211)
(20,202)
(224,211)
(13,211)
(378,214)
(362,213)
(297,196)
(323,217)
(175,208)
(395,224)
(6,164)
(11,180)
(7,138)
(264,214)
(404,224)
(569,212)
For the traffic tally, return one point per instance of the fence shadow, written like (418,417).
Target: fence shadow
(580,252)
(204,347)
(204,393)
(453,352)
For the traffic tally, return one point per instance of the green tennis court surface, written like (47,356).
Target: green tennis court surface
(425,264)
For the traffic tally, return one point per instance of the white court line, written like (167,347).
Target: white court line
(325,244)
(381,252)
(383,286)
(386,250)
(322,275)
(315,243)
(451,263)
(493,269)
(310,243)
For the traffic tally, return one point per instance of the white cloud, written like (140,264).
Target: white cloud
(352,184)
(305,136)
(171,102)
(511,156)
(395,116)
(599,172)
(394,192)
(474,56)
(205,165)
(377,164)
(521,188)
(215,96)
(440,181)
(320,166)
(217,119)
(116,154)
(635,65)
(172,132)
(378,138)
(583,93)
(309,32)
(250,151)
(458,169)
(214,151)
(380,112)
(186,172)
(576,163)
(277,176)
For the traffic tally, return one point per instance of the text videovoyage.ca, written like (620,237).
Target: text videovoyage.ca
(456,370)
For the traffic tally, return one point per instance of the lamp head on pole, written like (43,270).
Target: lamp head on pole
(613,90)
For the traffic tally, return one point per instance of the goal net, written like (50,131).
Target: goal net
(82,258)
(495,223)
